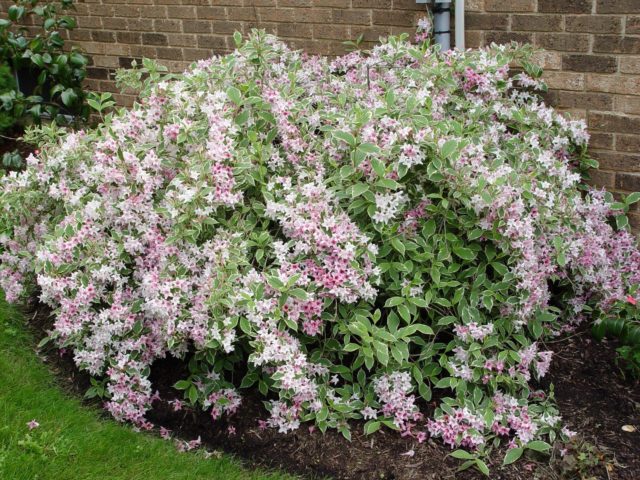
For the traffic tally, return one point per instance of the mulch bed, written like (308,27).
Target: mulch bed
(9,142)
(594,399)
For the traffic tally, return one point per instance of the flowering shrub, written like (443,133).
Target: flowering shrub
(352,237)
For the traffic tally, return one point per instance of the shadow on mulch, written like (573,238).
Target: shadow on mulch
(593,398)
(10,142)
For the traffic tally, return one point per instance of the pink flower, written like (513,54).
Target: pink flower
(631,300)
(33,424)
(164,433)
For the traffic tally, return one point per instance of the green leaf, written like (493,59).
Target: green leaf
(398,245)
(378,167)
(372,426)
(632,198)
(512,455)
(358,189)
(538,446)
(182,385)
(449,147)
(622,221)
(351,347)
(69,97)
(462,455)
(275,282)
(429,228)
(237,38)
(464,253)
(369,148)
(298,293)
(394,302)
(345,137)
(447,382)
(482,467)
(234,95)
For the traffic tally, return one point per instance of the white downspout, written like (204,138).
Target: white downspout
(459,19)
(442,22)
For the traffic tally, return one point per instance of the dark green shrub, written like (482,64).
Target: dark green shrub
(57,89)
(7,90)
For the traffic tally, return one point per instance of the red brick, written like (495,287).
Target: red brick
(601,140)
(301,30)
(196,26)
(212,42)
(507,37)
(619,162)
(590,63)
(247,13)
(212,13)
(181,40)
(181,12)
(154,39)
(536,23)
(627,104)
(602,179)
(334,32)
(331,3)
(616,44)
(369,3)
(628,182)
(510,6)
(129,37)
(633,25)
(564,80)
(564,6)
(103,36)
(587,100)
(487,21)
(313,15)
(354,17)
(167,26)
(593,23)
(610,122)
(623,84)
(169,53)
(295,3)
(630,65)
(566,42)
(192,54)
(405,5)
(617,6)
(628,143)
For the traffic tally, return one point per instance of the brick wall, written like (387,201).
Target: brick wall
(592,62)
(592,48)
(177,32)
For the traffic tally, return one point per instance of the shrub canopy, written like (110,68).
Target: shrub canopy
(351,237)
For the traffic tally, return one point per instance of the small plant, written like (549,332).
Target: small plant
(12,160)
(58,73)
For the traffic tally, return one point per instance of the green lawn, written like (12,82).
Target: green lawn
(72,442)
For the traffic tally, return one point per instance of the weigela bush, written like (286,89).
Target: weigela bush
(352,237)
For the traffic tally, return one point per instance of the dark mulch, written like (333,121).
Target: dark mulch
(593,397)
(10,142)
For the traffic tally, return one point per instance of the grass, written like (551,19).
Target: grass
(73,442)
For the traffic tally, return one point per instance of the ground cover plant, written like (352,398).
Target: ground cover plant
(353,238)
(45,434)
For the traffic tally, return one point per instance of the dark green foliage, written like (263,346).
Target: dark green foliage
(7,91)
(57,89)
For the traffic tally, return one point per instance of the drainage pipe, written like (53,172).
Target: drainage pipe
(442,22)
